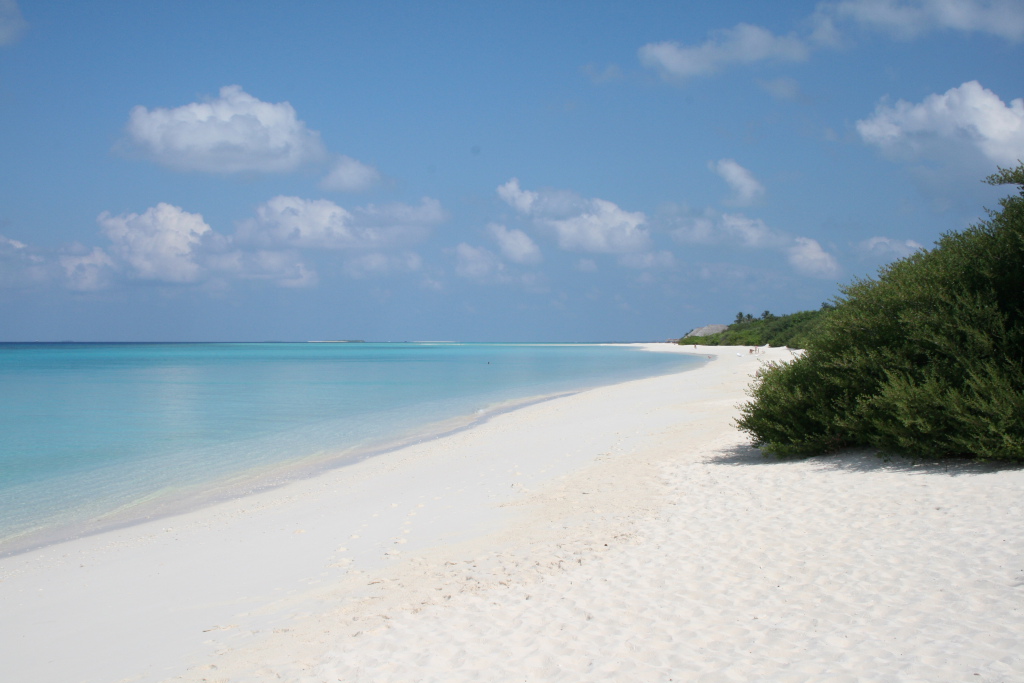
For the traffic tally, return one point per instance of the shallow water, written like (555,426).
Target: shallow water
(99,435)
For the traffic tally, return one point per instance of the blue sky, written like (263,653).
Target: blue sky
(567,171)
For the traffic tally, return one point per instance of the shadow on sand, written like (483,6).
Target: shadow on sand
(863,460)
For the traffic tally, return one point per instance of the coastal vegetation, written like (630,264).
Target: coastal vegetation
(927,359)
(794,330)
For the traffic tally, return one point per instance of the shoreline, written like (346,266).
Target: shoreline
(190,496)
(625,532)
(261,479)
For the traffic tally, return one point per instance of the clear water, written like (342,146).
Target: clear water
(95,435)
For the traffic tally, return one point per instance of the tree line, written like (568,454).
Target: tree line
(794,330)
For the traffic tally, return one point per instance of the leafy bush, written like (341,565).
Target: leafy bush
(926,360)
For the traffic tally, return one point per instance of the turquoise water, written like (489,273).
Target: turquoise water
(99,435)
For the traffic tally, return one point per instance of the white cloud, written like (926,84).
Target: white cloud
(296,222)
(746,188)
(163,244)
(648,260)
(234,133)
(12,23)
(322,224)
(749,232)
(519,199)
(168,244)
(969,114)
(697,229)
(86,272)
(516,245)
(781,88)
(377,263)
(408,217)
(476,262)
(21,265)
(909,18)
(592,225)
(350,175)
(282,267)
(606,75)
(158,244)
(603,228)
(890,248)
(14,245)
(809,258)
(727,228)
(743,44)
(287,273)
(547,203)
(484,266)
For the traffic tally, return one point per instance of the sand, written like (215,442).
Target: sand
(626,533)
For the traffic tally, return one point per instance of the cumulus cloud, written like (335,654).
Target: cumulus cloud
(298,222)
(726,228)
(781,88)
(233,133)
(284,268)
(409,217)
(748,232)
(580,224)
(910,18)
(21,265)
(159,244)
(969,114)
(648,260)
(12,23)
(484,266)
(321,224)
(87,271)
(516,245)
(377,263)
(350,175)
(602,227)
(476,262)
(598,75)
(746,188)
(162,245)
(169,245)
(519,199)
(890,248)
(13,246)
(734,229)
(743,44)
(807,257)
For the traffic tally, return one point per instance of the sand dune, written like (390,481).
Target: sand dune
(625,533)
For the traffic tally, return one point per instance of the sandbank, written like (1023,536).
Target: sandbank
(624,533)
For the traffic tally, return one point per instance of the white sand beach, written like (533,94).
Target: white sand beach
(625,533)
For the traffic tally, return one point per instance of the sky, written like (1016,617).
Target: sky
(516,171)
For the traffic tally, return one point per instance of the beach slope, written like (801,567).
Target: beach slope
(624,533)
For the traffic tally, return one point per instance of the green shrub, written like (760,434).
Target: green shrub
(926,360)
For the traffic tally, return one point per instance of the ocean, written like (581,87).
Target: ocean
(94,436)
